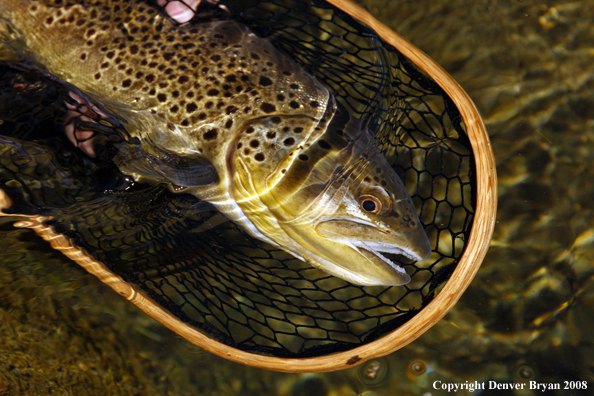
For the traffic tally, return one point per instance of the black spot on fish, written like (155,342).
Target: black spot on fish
(294,104)
(191,107)
(254,143)
(289,142)
(303,157)
(162,97)
(276,119)
(267,107)
(211,135)
(265,81)
(324,144)
(298,130)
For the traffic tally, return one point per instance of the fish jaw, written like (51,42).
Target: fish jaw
(352,250)
(412,243)
(366,243)
(356,262)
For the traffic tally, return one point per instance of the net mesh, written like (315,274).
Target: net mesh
(207,271)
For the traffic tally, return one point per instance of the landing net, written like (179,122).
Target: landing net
(240,291)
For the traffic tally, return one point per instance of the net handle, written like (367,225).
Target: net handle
(469,264)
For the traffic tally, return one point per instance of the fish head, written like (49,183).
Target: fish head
(368,211)
(331,199)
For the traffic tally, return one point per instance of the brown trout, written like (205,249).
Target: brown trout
(252,132)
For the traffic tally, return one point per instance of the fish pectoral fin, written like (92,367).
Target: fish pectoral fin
(183,171)
(211,223)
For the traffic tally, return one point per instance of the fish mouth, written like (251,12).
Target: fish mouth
(376,247)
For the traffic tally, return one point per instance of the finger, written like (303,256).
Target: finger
(182,12)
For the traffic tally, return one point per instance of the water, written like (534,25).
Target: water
(526,316)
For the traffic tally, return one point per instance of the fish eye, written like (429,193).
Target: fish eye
(370,204)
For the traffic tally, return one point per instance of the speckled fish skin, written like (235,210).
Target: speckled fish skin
(293,167)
